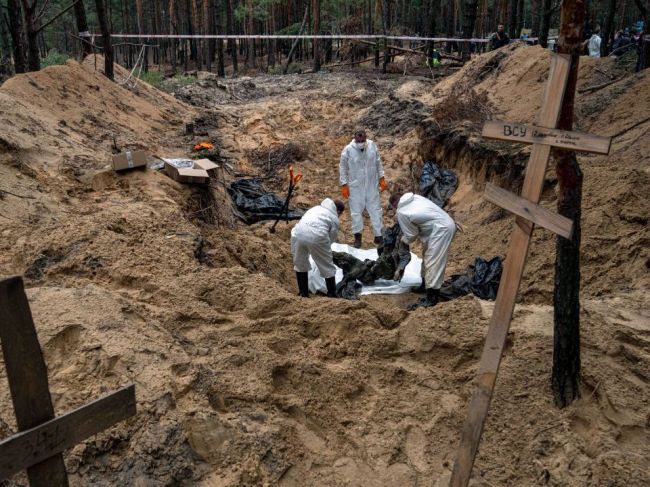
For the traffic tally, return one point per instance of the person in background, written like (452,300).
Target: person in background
(593,43)
(314,235)
(361,175)
(499,38)
(419,217)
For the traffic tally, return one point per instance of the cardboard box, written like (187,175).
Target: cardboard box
(184,172)
(129,160)
(207,165)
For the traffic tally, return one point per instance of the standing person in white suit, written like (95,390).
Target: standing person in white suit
(419,217)
(314,235)
(361,176)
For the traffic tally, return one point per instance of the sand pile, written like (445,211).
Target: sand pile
(240,382)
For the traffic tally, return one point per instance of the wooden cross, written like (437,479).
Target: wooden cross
(42,437)
(543,136)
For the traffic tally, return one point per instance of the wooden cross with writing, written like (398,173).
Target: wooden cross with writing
(42,437)
(543,136)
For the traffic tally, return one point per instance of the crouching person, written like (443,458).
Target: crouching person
(314,235)
(418,217)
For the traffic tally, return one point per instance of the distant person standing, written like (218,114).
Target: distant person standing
(499,38)
(639,40)
(593,43)
(361,175)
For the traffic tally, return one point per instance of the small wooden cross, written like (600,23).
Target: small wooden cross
(543,136)
(42,437)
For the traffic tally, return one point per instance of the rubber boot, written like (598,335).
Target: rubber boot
(431,299)
(330,282)
(303,284)
(357,241)
(379,242)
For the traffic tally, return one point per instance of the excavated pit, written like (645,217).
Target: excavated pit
(239,381)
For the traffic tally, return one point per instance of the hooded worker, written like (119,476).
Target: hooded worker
(419,217)
(362,177)
(314,235)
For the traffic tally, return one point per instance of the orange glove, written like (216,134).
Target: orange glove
(345,191)
(383,185)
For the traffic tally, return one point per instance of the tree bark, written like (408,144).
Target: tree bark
(545,23)
(106,39)
(512,18)
(221,64)
(316,29)
(33,53)
(469,20)
(566,350)
(173,23)
(295,42)
(5,50)
(16,31)
(608,30)
(232,45)
(82,26)
(535,17)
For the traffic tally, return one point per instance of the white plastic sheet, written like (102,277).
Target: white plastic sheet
(412,276)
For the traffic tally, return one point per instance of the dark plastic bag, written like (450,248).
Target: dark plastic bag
(481,279)
(437,184)
(253,203)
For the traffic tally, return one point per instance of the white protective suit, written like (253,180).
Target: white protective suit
(361,170)
(314,235)
(419,217)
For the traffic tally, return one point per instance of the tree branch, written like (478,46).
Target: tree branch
(40,14)
(57,16)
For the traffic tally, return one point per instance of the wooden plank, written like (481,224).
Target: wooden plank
(27,376)
(36,444)
(510,280)
(529,210)
(531,134)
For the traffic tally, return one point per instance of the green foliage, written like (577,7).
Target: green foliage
(182,80)
(154,78)
(54,58)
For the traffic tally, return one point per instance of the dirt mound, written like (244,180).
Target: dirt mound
(239,381)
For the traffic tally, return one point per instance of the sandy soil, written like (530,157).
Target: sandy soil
(240,382)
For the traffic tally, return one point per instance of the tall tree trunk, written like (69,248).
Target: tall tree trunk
(566,351)
(82,26)
(16,31)
(208,28)
(5,50)
(33,53)
(469,20)
(232,45)
(482,15)
(512,18)
(536,17)
(608,33)
(450,19)
(385,16)
(545,23)
(221,66)
(295,42)
(520,18)
(173,23)
(106,39)
(316,18)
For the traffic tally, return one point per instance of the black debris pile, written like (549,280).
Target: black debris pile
(437,184)
(253,203)
(481,279)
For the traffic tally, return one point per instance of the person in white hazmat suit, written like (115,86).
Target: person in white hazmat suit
(361,175)
(419,217)
(313,235)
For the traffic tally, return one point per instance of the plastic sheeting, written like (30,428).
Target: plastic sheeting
(253,203)
(412,274)
(437,184)
(481,279)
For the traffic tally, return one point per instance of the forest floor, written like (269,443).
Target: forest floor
(239,381)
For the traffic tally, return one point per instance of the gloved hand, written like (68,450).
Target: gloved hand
(383,185)
(399,273)
(345,191)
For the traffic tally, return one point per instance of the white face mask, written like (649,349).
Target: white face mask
(360,145)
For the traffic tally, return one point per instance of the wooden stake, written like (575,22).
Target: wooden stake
(512,272)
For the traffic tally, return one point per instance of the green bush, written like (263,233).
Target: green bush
(54,58)
(182,80)
(154,78)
